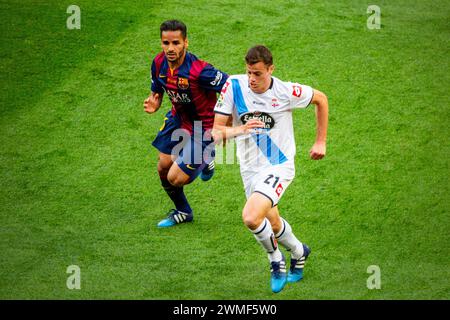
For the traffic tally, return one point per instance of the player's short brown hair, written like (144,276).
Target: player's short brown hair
(257,54)
(173,25)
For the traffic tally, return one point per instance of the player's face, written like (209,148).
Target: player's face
(174,45)
(259,76)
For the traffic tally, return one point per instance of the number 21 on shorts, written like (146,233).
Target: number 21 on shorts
(279,187)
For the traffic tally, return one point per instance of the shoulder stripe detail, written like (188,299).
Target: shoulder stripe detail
(238,97)
(196,68)
(158,62)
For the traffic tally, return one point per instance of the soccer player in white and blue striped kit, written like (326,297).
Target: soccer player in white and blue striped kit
(261,106)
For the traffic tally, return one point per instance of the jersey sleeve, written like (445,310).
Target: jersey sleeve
(225,103)
(155,86)
(300,95)
(212,79)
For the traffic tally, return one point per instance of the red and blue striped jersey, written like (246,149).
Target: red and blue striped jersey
(191,88)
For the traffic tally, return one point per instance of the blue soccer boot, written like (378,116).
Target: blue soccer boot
(278,275)
(296,269)
(208,172)
(175,217)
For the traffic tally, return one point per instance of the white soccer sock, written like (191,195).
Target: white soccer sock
(264,235)
(288,240)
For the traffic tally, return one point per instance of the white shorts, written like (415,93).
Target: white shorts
(271,182)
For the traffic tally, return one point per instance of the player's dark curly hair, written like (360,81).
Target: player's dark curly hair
(173,25)
(259,54)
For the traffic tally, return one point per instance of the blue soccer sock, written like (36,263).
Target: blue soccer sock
(177,196)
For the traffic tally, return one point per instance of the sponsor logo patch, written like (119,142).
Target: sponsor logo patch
(177,97)
(274,241)
(218,78)
(279,189)
(275,103)
(269,122)
(297,91)
(219,103)
(225,87)
(172,81)
(259,103)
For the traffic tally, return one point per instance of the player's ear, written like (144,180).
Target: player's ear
(186,42)
(271,68)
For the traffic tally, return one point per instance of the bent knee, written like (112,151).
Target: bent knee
(162,171)
(177,180)
(163,166)
(251,219)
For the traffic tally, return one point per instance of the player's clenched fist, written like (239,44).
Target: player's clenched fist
(152,103)
(318,151)
(252,124)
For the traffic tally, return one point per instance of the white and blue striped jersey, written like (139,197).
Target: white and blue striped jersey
(274,145)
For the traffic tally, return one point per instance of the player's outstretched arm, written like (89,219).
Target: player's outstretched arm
(153,102)
(319,148)
(220,127)
(222,132)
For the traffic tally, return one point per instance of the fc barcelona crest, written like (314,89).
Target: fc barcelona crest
(183,83)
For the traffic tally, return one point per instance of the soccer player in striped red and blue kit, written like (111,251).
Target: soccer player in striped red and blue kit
(192,86)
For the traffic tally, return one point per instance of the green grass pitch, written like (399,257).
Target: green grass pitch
(78,174)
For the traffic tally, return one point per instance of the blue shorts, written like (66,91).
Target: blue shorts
(163,141)
(192,153)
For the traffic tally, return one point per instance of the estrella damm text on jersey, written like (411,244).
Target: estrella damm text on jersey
(191,88)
